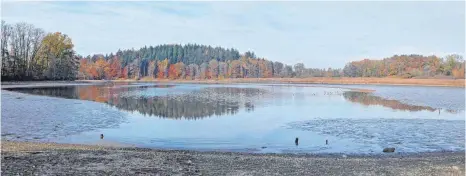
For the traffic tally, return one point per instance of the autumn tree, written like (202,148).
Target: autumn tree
(82,74)
(172,72)
(114,69)
(234,69)
(180,71)
(56,57)
(163,69)
(124,73)
(102,68)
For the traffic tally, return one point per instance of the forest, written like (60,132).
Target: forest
(204,62)
(408,66)
(29,53)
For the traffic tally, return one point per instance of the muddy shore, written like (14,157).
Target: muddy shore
(26,158)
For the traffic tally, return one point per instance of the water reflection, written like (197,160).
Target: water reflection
(184,106)
(198,104)
(369,99)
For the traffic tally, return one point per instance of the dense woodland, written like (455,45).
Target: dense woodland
(29,53)
(407,66)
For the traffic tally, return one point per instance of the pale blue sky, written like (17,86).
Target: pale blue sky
(319,34)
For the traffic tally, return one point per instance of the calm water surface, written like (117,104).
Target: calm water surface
(242,117)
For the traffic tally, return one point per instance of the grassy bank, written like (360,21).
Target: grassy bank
(26,158)
(325,80)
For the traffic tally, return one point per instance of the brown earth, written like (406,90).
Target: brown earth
(26,158)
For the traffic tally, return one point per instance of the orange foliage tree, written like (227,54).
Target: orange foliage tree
(101,65)
(82,74)
(124,73)
(91,71)
(179,70)
(172,72)
(458,72)
(113,69)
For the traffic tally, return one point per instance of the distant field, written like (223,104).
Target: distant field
(345,80)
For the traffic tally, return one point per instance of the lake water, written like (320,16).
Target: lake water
(243,117)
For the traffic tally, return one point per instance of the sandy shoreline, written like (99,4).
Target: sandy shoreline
(63,159)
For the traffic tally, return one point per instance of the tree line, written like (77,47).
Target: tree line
(244,67)
(408,66)
(28,53)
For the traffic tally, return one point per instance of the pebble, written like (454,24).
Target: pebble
(74,159)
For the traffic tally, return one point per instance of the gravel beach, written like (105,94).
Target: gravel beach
(27,158)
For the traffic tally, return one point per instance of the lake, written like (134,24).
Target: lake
(259,118)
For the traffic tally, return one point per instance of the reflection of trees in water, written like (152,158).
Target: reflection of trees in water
(232,93)
(63,92)
(184,106)
(368,99)
(453,111)
(194,105)
(203,103)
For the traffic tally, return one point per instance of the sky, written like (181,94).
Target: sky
(318,34)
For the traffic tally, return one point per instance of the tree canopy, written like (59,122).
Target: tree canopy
(28,53)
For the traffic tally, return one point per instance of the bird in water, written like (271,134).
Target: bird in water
(296,141)
(101,136)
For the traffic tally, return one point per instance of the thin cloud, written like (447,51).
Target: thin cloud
(319,34)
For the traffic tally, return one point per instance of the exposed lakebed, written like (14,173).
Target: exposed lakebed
(241,117)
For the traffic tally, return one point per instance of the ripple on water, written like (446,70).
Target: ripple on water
(407,135)
(28,119)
